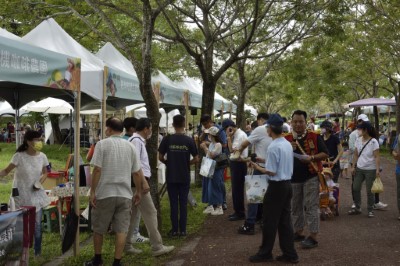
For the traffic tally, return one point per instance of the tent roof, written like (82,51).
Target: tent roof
(109,54)
(9,35)
(51,36)
(372,102)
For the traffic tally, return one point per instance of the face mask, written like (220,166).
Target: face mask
(360,132)
(323,130)
(37,145)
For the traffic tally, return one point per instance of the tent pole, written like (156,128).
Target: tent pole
(103,103)
(76,166)
(70,130)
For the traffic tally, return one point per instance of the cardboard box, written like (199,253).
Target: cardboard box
(53,179)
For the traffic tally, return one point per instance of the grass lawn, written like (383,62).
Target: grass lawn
(51,245)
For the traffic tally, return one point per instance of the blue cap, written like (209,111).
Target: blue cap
(275,120)
(228,123)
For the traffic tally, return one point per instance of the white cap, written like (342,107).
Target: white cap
(363,117)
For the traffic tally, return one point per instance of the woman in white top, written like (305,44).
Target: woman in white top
(213,187)
(30,166)
(366,162)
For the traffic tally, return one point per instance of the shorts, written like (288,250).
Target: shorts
(344,166)
(114,209)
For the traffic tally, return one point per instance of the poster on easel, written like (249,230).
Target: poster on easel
(11,238)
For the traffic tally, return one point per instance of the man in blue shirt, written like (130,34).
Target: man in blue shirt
(396,155)
(277,199)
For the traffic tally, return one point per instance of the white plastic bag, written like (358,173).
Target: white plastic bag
(256,187)
(207,167)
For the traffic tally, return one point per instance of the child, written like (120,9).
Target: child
(328,209)
(344,160)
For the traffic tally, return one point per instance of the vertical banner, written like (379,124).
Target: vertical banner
(11,238)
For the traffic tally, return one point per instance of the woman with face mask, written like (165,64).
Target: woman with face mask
(366,163)
(30,172)
(334,146)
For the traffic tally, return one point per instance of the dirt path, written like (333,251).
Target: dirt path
(343,240)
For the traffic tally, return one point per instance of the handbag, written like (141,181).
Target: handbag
(222,161)
(377,186)
(256,186)
(207,167)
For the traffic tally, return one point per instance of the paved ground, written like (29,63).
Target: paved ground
(344,240)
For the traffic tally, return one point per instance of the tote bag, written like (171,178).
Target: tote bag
(256,187)
(207,167)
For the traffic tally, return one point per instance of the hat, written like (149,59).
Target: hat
(326,124)
(228,123)
(364,125)
(363,117)
(327,171)
(213,131)
(275,120)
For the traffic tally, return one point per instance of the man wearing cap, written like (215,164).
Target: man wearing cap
(310,150)
(236,137)
(277,199)
(260,140)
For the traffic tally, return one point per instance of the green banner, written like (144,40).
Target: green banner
(23,63)
(122,85)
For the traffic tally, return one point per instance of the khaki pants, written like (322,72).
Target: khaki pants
(149,215)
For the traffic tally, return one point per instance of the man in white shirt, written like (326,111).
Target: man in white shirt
(146,206)
(260,141)
(238,166)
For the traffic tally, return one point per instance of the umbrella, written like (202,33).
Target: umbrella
(70,228)
(51,106)
(372,102)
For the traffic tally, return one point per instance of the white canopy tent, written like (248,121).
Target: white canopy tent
(141,112)
(51,106)
(51,36)
(7,110)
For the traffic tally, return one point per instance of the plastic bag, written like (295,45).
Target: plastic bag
(207,167)
(377,186)
(256,186)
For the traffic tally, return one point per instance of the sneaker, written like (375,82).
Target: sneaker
(261,258)
(139,239)
(298,237)
(354,211)
(129,249)
(246,229)
(217,211)
(182,234)
(371,215)
(163,250)
(309,242)
(284,258)
(379,206)
(172,234)
(236,217)
(93,263)
(208,210)
(353,206)
(224,206)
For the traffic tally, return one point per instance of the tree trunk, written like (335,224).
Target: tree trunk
(376,120)
(54,120)
(240,114)
(207,100)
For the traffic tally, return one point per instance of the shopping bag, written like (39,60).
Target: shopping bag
(255,186)
(207,167)
(377,186)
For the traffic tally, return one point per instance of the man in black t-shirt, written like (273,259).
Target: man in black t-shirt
(178,148)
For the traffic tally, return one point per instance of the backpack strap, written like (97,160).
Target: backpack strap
(130,140)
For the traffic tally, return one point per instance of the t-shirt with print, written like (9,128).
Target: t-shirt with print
(178,148)
(331,143)
(117,159)
(366,161)
(29,170)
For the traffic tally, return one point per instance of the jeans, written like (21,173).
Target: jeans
(277,211)
(178,197)
(369,177)
(398,191)
(238,172)
(38,232)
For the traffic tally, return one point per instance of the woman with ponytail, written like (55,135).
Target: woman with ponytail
(30,171)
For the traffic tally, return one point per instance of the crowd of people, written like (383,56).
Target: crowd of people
(291,156)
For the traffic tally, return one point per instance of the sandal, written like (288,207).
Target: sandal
(354,211)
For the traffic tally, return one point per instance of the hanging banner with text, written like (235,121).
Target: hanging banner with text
(27,64)
(11,237)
